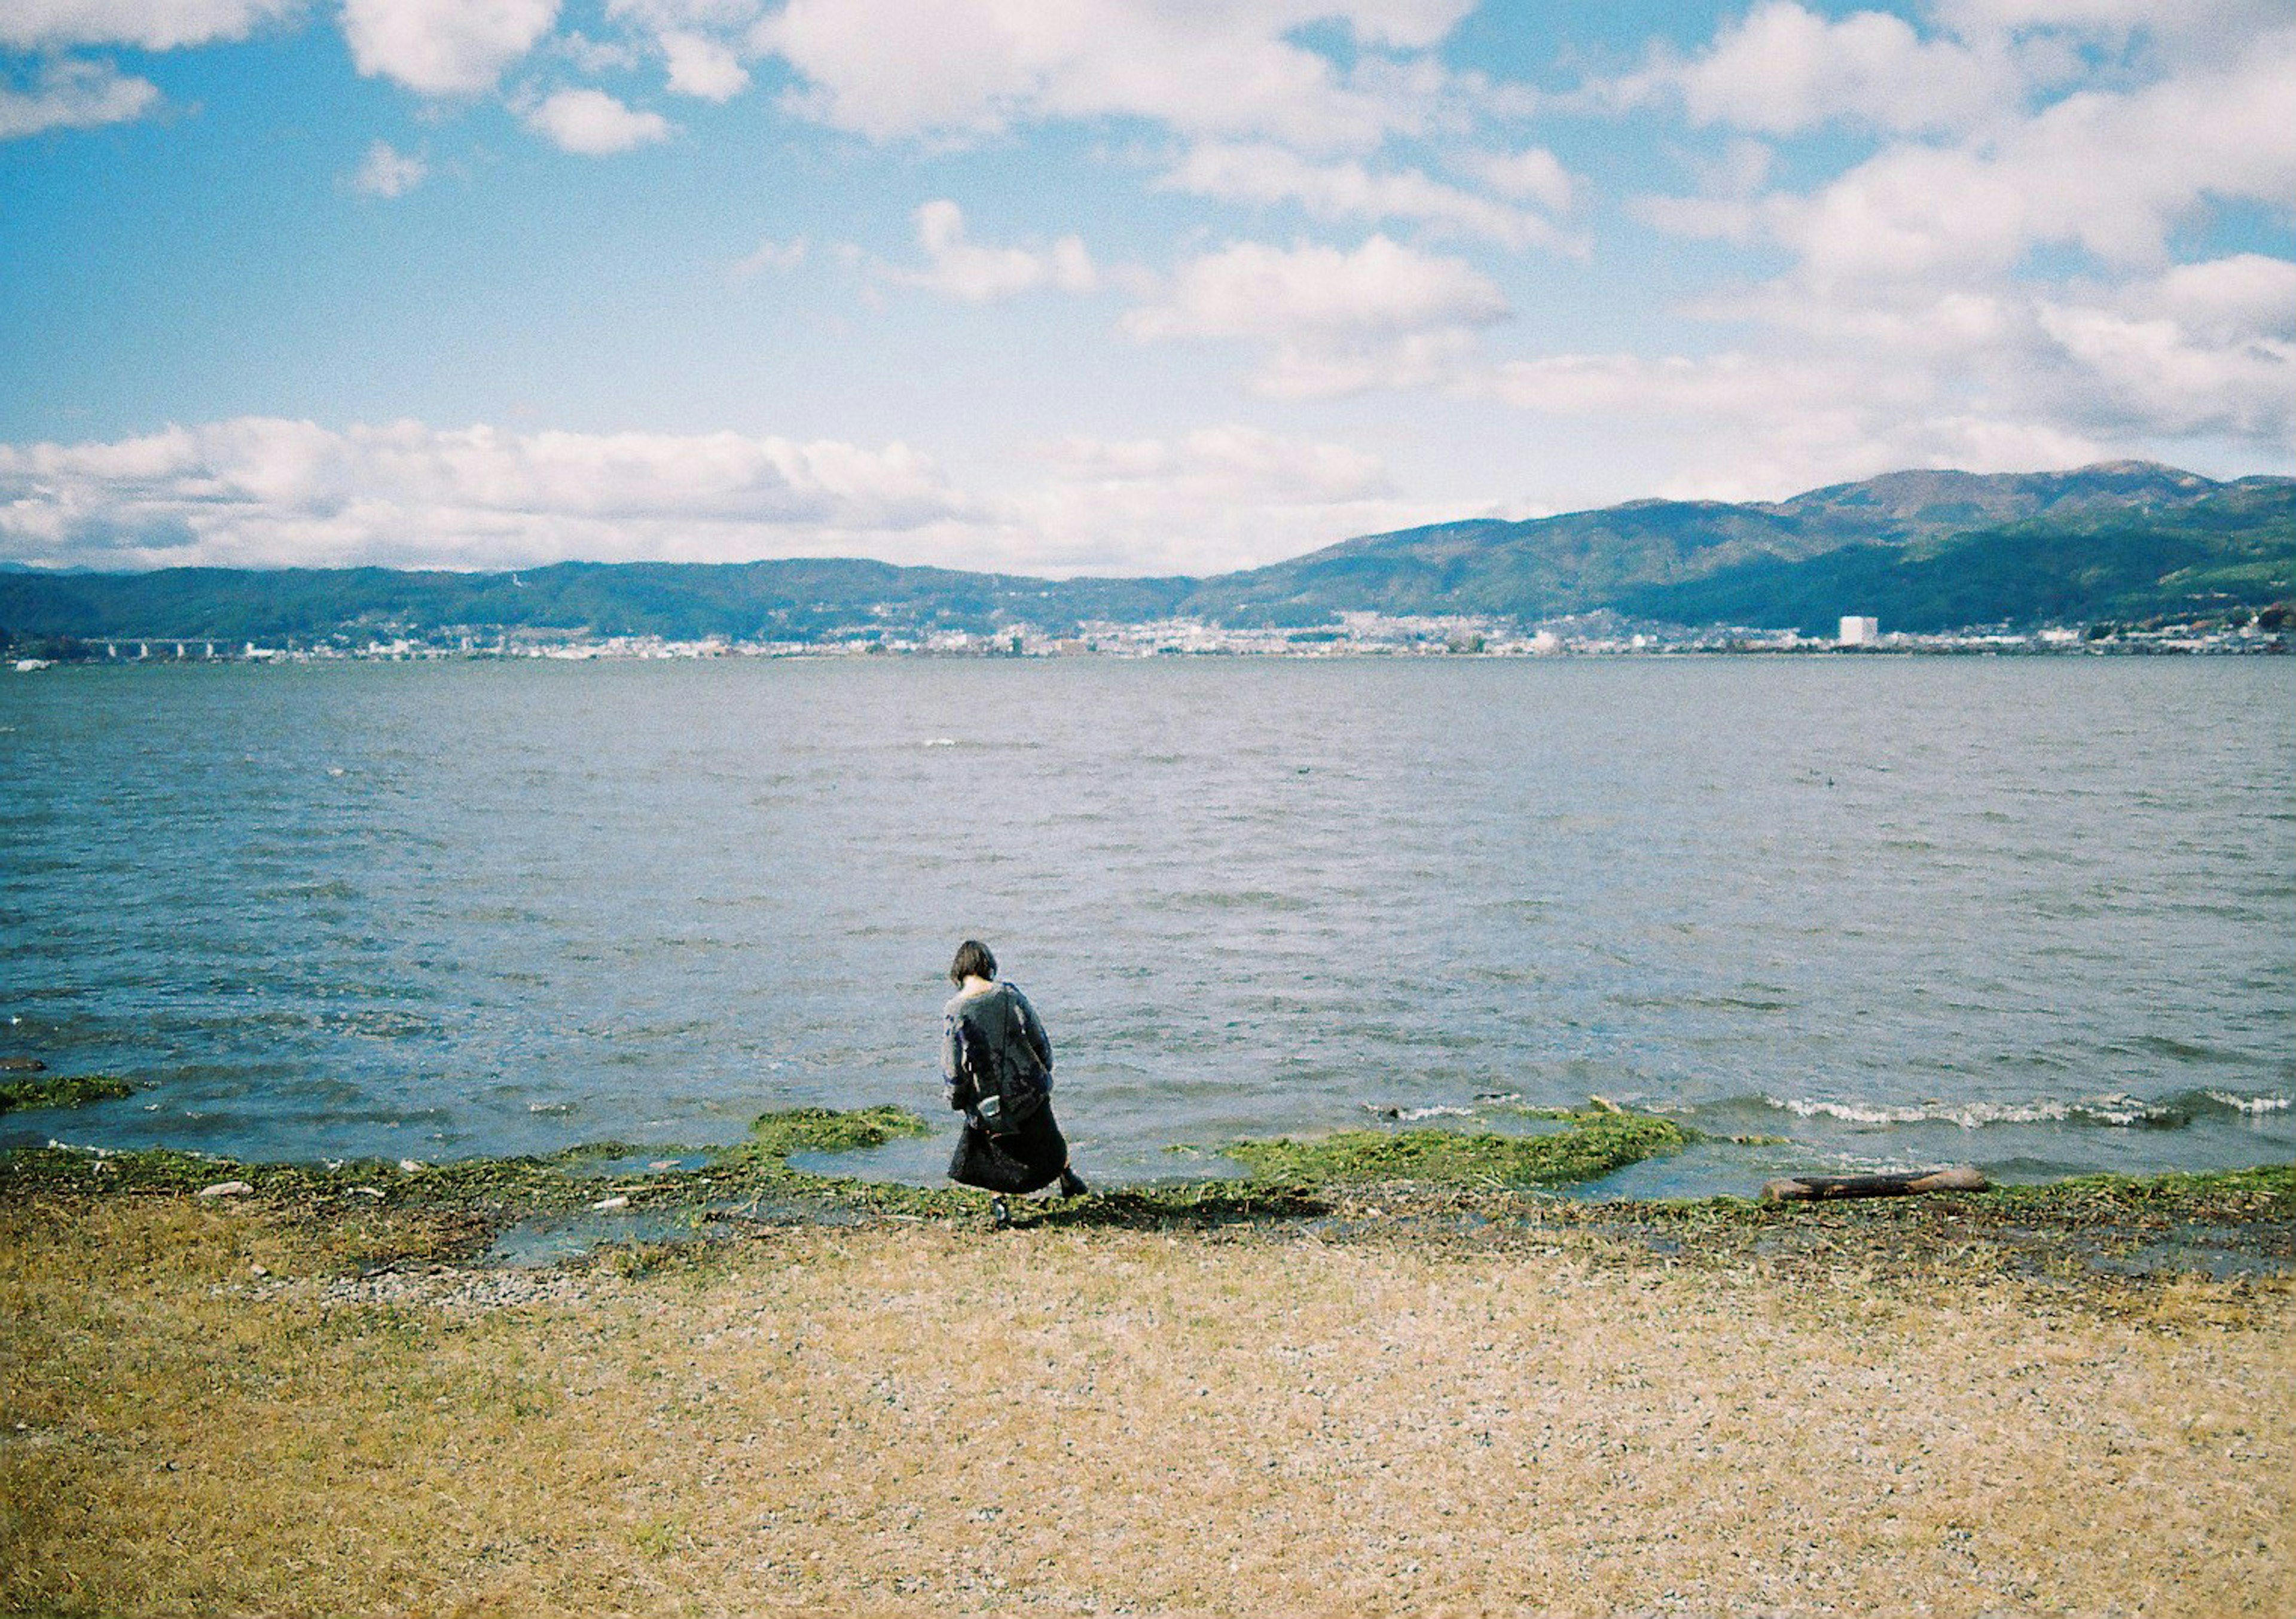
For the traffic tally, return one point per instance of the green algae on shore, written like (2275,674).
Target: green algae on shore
(1594,1142)
(62,1090)
(562,1180)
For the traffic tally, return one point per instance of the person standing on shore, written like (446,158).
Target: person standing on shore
(997,1068)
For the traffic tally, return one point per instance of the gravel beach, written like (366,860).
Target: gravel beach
(224,1407)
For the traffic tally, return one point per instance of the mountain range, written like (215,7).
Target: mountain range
(1922,551)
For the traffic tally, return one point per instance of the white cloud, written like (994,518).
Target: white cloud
(593,124)
(596,58)
(2204,26)
(1253,291)
(895,67)
(1260,173)
(443,47)
(697,16)
(2203,349)
(701,67)
(150,25)
(75,94)
(1333,323)
(1218,498)
(1753,424)
(2021,375)
(1916,323)
(387,172)
(2112,173)
(1783,68)
(770,255)
(1534,174)
(977,274)
(2229,300)
(261,491)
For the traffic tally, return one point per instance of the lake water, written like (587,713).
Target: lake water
(2037,915)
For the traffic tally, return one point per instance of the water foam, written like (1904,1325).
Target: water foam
(2122,1112)
(2251,1104)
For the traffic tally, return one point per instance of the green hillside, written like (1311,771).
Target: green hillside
(2235,549)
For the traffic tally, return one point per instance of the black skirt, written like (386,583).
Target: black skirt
(1031,1156)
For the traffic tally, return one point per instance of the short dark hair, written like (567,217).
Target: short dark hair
(973,960)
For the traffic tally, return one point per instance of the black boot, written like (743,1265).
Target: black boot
(1072,1183)
(999,1216)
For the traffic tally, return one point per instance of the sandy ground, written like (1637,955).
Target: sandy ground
(916,1419)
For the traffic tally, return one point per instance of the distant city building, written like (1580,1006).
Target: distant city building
(1859,631)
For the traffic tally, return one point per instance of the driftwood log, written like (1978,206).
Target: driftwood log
(1811,1189)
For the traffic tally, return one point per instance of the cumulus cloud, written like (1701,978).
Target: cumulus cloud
(1533,174)
(1783,68)
(1914,323)
(2022,374)
(70,94)
(261,491)
(2111,173)
(149,25)
(593,124)
(889,69)
(2203,349)
(1384,316)
(387,172)
(1255,290)
(443,47)
(1262,173)
(703,67)
(977,274)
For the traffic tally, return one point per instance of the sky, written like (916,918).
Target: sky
(1103,286)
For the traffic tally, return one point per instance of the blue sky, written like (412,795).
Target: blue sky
(1113,286)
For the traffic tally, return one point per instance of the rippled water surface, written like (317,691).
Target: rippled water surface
(2036,914)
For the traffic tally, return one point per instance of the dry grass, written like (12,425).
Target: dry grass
(922,1419)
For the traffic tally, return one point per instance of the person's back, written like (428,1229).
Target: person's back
(996,1067)
(1001,1054)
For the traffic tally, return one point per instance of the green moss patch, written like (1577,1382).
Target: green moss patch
(508,1185)
(776,1135)
(62,1090)
(1593,1143)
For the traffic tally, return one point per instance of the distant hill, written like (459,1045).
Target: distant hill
(1919,550)
(2234,547)
(779,600)
(1586,560)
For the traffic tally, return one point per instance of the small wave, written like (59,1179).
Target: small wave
(1406,1115)
(2120,1112)
(2250,1104)
(941,741)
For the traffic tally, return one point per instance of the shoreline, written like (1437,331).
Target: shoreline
(609,1195)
